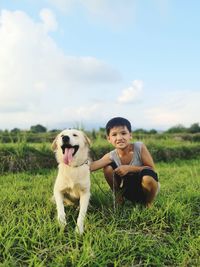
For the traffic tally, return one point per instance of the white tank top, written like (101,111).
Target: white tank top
(136,160)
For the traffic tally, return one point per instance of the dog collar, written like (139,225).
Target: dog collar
(85,162)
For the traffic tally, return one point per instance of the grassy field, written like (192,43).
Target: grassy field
(166,235)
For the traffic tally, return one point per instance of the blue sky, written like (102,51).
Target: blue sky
(65,63)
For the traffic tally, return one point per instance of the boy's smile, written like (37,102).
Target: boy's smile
(119,137)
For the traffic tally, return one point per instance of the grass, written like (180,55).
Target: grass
(166,235)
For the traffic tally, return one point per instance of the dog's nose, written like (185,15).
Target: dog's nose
(65,139)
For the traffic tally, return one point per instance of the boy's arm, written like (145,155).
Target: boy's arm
(147,158)
(98,164)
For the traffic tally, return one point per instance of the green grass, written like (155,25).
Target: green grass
(166,235)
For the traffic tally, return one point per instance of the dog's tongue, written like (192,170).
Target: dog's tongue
(68,155)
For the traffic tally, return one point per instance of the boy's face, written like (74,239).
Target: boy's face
(119,137)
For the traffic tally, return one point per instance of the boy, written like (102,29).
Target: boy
(129,168)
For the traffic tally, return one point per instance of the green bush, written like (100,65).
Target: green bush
(29,137)
(21,157)
(169,154)
(24,156)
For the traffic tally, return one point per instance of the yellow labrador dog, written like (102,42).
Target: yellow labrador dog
(72,184)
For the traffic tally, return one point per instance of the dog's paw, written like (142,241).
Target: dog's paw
(79,229)
(62,220)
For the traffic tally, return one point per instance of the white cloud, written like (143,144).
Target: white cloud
(34,71)
(63,5)
(83,112)
(114,12)
(162,116)
(178,107)
(48,19)
(131,93)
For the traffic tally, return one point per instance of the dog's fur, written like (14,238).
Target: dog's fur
(72,184)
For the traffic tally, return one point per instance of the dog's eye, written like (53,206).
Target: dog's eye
(75,135)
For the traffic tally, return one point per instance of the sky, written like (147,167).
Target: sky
(71,63)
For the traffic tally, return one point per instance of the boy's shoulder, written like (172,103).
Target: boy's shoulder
(139,143)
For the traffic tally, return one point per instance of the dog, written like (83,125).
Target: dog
(72,185)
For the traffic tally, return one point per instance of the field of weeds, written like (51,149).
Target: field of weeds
(166,235)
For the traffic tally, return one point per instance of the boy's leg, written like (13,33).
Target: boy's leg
(150,188)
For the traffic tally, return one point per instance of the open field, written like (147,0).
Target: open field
(166,235)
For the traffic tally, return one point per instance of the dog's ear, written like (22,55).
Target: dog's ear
(88,141)
(54,144)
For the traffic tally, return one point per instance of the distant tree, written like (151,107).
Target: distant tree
(101,133)
(153,131)
(140,131)
(15,130)
(179,128)
(94,134)
(54,130)
(38,129)
(194,128)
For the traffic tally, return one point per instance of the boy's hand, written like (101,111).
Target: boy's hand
(122,170)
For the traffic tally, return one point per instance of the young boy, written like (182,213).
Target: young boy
(129,168)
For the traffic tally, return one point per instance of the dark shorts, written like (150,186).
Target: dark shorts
(132,183)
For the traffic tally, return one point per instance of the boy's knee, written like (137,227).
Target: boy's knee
(149,183)
(150,188)
(108,171)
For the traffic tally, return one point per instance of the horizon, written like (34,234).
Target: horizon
(92,128)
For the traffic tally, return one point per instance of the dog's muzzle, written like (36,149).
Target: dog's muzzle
(66,144)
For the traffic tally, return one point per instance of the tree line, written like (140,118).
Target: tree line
(38,128)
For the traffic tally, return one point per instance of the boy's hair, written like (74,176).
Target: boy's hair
(117,121)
